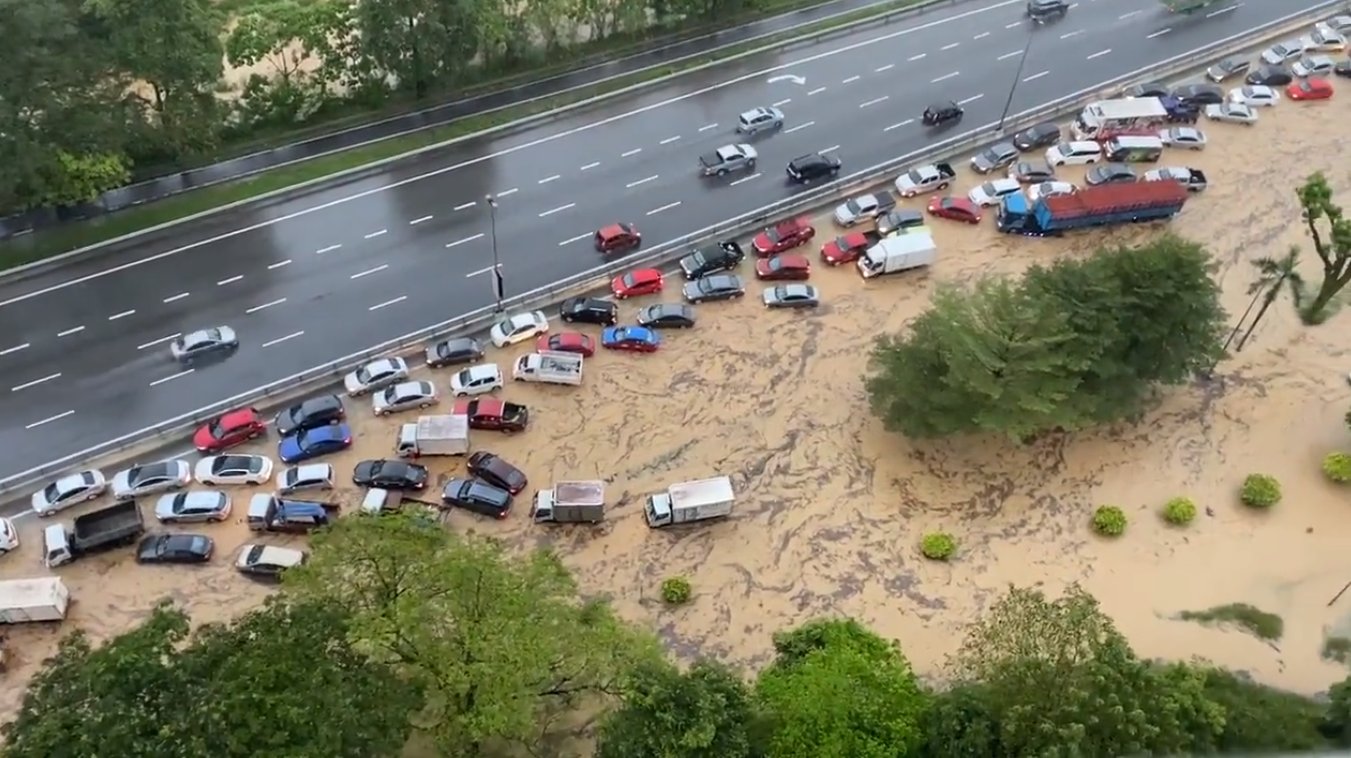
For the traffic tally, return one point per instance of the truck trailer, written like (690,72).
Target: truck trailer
(434,435)
(1121,113)
(570,503)
(103,529)
(551,367)
(892,255)
(687,502)
(41,598)
(1104,205)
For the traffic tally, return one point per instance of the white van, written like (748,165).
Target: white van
(1133,149)
(1074,153)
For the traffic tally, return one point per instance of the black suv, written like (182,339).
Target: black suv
(315,412)
(1200,94)
(941,114)
(478,496)
(1270,76)
(1041,135)
(710,259)
(1047,10)
(589,310)
(809,168)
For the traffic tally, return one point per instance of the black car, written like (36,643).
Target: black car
(1047,10)
(994,157)
(710,259)
(1343,68)
(1041,135)
(478,496)
(175,548)
(1201,94)
(1270,76)
(716,287)
(1228,69)
(494,470)
(453,352)
(1109,173)
(589,310)
(666,316)
(1146,89)
(312,413)
(942,114)
(390,475)
(808,168)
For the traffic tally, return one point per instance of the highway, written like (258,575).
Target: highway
(312,278)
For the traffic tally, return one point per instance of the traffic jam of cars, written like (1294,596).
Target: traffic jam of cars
(1023,183)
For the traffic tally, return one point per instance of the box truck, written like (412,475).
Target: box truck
(434,435)
(103,529)
(892,255)
(550,367)
(41,598)
(1103,205)
(686,502)
(570,502)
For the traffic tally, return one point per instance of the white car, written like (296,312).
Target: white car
(375,375)
(69,490)
(1313,65)
(308,476)
(1185,137)
(404,396)
(519,328)
(234,469)
(9,536)
(1050,189)
(1336,24)
(1282,51)
(1256,95)
(267,562)
(150,478)
(990,193)
(858,209)
(1075,153)
(476,380)
(1193,180)
(1233,113)
(193,507)
(1323,40)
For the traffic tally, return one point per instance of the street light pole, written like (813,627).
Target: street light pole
(1017,77)
(497,266)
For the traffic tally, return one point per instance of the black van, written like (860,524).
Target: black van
(942,114)
(478,496)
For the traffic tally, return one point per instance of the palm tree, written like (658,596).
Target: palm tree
(1274,275)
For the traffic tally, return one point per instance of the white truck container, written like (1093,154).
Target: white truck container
(549,366)
(893,255)
(42,598)
(691,501)
(570,503)
(378,501)
(434,435)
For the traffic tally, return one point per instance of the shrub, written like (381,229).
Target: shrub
(1109,521)
(1337,467)
(1179,511)
(1260,491)
(676,590)
(938,546)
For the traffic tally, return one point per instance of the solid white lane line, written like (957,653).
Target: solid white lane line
(465,206)
(817,91)
(982,35)
(851,79)
(887,67)
(279,264)
(571,240)
(160,341)
(1159,33)
(505,193)
(172,377)
(634,151)
(378,306)
(948,47)
(1125,16)
(631,185)
(971,99)
(466,239)
(328,249)
(179,296)
(784,101)
(49,419)
(706,127)
(231,280)
(666,207)
(798,127)
(1035,76)
(373,235)
(559,209)
(417,221)
(279,340)
(1006,56)
(548,179)
(875,101)
(257,308)
(69,332)
(123,314)
(914,58)
(369,271)
(669,140)
(744,179)
(483,270)
(1098,54)
(831,149)
(944,77)
(16,348)
(34,383)
(1074,33)
(590,166)
(899,125)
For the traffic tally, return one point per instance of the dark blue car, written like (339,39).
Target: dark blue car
(636,338)
(312,443)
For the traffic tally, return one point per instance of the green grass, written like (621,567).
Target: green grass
(1267,626)
(45,244)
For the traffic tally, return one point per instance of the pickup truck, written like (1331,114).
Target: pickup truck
(1194,179)
(103,529)
(864,207)
(269,513)
(493,415)
(711,259)
(727,159)
(930,178)
(380,502)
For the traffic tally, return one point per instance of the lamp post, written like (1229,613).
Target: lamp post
(497,266)
(1017,77)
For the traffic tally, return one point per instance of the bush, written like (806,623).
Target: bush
(676,590)
(1337,467)
(938,546)
(1109,521)
(1260,491)
(1179,511)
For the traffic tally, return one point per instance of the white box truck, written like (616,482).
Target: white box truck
(691,501)
(42,598)
(434,435)
(570,503)
(893,255)
(550,366)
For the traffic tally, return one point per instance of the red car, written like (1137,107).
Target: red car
(955,208)
(1309,89)
(228,430)
(784,235)
(493,415)
(617,238)
(567,342)
(786,266)
(644,281)
(846,249)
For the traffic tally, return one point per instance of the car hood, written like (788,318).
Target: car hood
(202,437)
(351,383)
(121,481)
(164,507)
(203,469)
(289,447)
(982,162)
(842,213)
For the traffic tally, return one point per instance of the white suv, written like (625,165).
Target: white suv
(1074,153)
(476,380)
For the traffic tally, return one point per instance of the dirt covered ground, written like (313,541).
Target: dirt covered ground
(831,507)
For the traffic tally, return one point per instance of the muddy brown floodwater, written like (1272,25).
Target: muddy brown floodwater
(831,507)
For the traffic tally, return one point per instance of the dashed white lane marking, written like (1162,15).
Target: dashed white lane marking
(944,77)
(887,67)
(851,79)
(1159,33)
(666,207)
(1231,8)
(280,340)
(971,99)
(328,249)
(1012,25)
(50,419)
(548,179)
(373,235)
(34,383)
(1006,56)
(799,127)
(1125,16)
(831,149)
(875,101)
(899,125)
(1074,33)
(505,193)
(465,206)
(590,166)
(631,185)
(571,240)
(982,35)
(559,209)
(1099,54)
(669,140)
(417,221)
(634,151)
(1035,76)
(369,271)
(466,239)
(279,264)
(179,296)
(123,314)
(483,270)
(257,308)
(784,101)
(745,179)
(16,348)
(69,332)
(159,341)
(388,303)
(172,377)
(914,58)
(706,127)
(817,91)
(231,280)
(948,47)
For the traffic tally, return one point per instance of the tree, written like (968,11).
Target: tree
(282,680)
(289,37)
(419,42)
(702,713)
(1275,275)
(1259,719)
(836,690)
(1333,244)
(500,644)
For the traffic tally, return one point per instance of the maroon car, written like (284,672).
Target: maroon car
(955,208)
(497,472)
(784,266)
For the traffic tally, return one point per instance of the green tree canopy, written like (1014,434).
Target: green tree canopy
(1331,233)
(705,712)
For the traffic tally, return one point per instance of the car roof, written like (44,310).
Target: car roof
(611,230)
(323,402)
(308,470)
(277,555)
(327,431)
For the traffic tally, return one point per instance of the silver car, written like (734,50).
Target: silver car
(150,478)
(404,396)
(759,120)
(202,343)
(375,375)
(1312,65)
(1233,113)
(1185,137)
(518,328)
(192,507)
(69,490)
(310,476)
(792,296)
(1282,51)
(727,159)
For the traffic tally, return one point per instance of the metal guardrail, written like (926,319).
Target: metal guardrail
(481,319)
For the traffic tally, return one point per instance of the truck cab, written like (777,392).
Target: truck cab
(56,546)
(268,513)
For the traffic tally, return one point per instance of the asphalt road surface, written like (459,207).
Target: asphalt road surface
(311,279)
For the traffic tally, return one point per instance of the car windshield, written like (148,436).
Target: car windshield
(854,207)
(775,264)
(916,177)
(1304,86)
(987,189)
(50,492)
(630,280)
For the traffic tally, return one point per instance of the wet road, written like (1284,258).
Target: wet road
(313,278)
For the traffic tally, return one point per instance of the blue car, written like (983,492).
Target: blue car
(636,338)
(312,443)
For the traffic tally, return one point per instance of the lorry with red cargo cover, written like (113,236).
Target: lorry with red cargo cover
(1103,205)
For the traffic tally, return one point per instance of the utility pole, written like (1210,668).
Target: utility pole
(499,286)
(1017,77)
